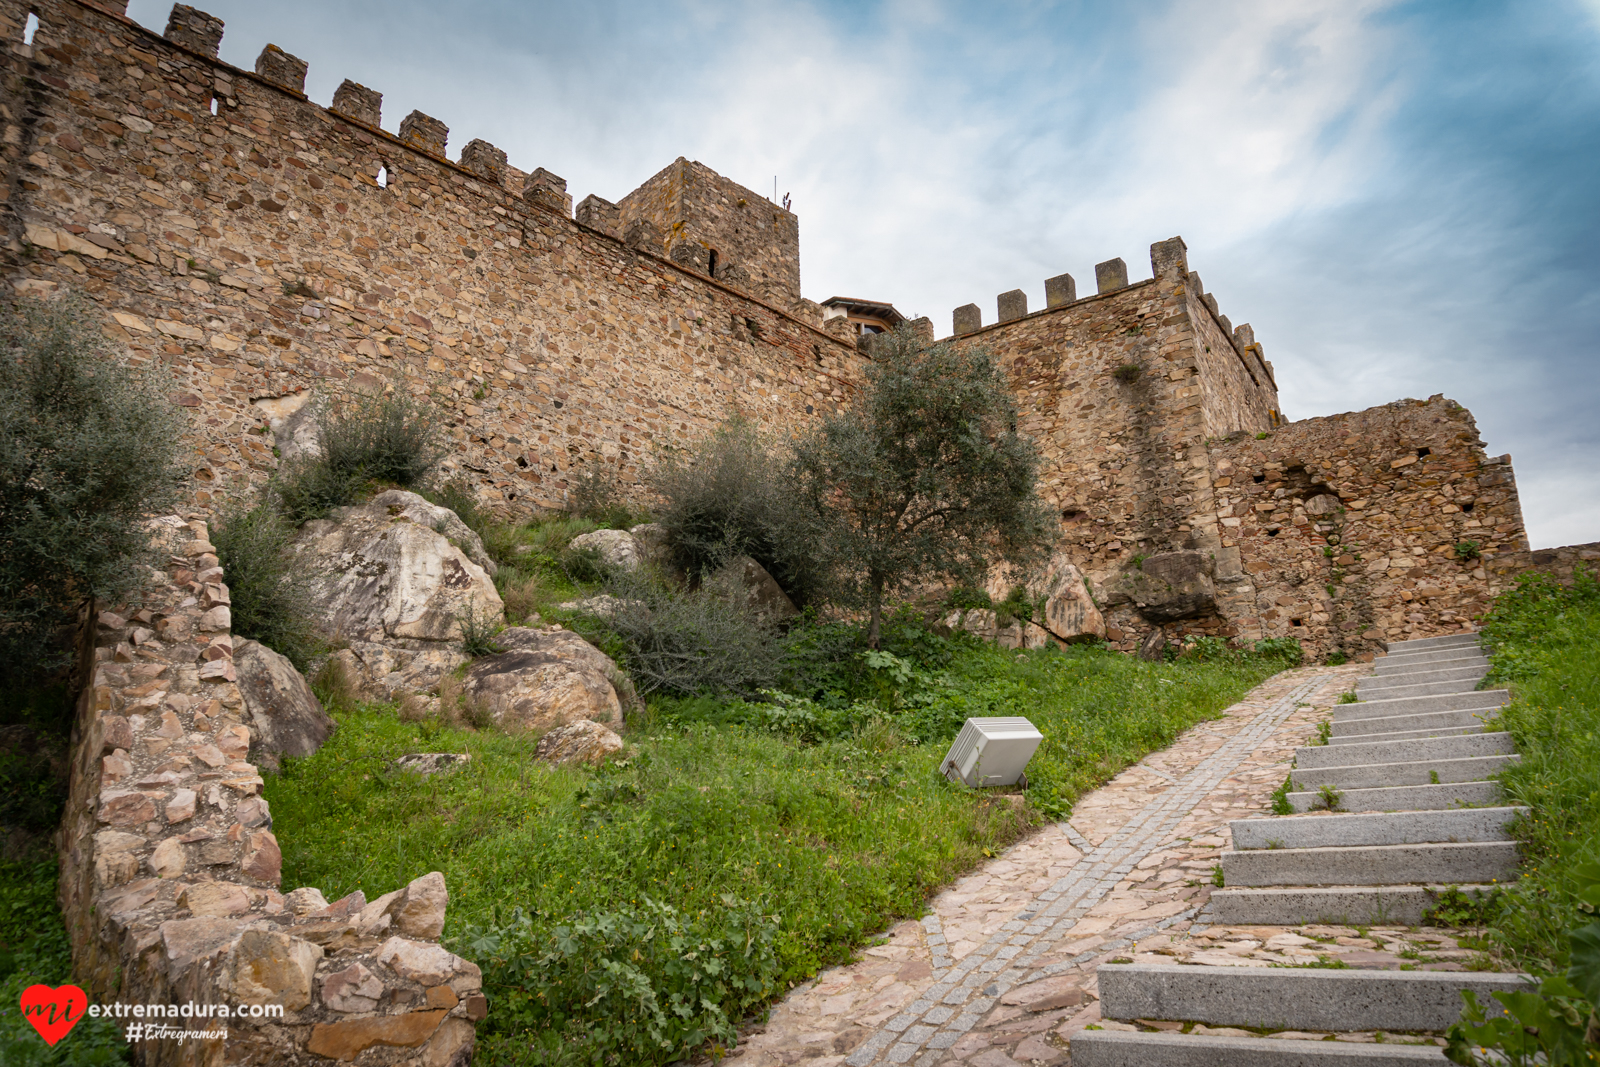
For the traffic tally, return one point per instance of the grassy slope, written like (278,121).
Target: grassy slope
(1545,641)
(839,838)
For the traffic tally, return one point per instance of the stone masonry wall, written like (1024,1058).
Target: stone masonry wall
(1343,531)
(170,869)
(1120,395)
(691,212)
(254,253)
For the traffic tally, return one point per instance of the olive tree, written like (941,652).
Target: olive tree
(89,449)
(923,476)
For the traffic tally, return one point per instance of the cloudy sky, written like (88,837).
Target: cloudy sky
(1402,198)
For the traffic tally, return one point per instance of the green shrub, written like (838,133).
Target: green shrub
(387,437)
(478,629)
(272,590)
(391,438)
(89,449)
(684,642)
(731,496)
(583,566)
(636,984)
(307,488)
(1287,650)
(595,496)
(1558,1024)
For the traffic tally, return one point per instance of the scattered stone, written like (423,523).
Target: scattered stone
(578,742)
(758,591)
(427,764)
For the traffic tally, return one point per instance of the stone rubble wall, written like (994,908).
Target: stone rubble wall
(1342,531)
(254,253)
(170,869)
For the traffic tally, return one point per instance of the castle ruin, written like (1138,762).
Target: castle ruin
(260,246)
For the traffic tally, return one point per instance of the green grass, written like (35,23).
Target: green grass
(836,832)
(34,950)
(1544,640)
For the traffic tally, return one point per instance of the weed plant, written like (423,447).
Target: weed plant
(387,438)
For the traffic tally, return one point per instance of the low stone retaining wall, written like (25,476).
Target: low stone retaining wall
(170,869)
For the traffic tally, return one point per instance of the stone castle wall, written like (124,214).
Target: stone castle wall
(255,253)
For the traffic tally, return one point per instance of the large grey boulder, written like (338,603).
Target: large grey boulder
(286,719)
(617,548)
(544,679)
(395,590)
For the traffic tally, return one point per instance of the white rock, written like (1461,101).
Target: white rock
(617,548)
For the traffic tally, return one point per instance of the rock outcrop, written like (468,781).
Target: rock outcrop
(1168,586)
(544,679)
(398,583)
(578,742)
(286,719)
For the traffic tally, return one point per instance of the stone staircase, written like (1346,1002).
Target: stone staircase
(1405,772)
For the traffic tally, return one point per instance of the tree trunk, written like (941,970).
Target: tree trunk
(874,627)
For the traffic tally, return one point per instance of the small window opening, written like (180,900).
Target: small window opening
(383,177)
(1424,452)
(816,350)
(1467,508)
(1272,533)
(214,105)
(1296,622)
(1260,478)
(808,409)
(712,269)
(30,28)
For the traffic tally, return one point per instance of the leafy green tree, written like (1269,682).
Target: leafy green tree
(89,448)
(924,476)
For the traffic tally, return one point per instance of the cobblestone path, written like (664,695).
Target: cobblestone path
(1001,970)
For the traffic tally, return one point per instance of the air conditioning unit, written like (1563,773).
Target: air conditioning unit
(992,752)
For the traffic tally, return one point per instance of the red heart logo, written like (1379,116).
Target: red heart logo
(54,1012)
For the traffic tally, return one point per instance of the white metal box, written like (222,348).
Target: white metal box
(992,752)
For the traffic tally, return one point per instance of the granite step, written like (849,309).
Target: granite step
(1291,998)
(1421,644)
(1429,661)
(1384,724)
(1373,865)
(1396,828)
(1405,735)
(1404,751)
(1425,673)
(1467,677)
(1386,775)
(1407,798)
(1443,687)
(1121,1048)
(1407,905)
(1478,698)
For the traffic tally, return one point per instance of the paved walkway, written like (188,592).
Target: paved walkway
(1001,970)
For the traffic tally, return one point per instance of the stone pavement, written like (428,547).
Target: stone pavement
(1002,969)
